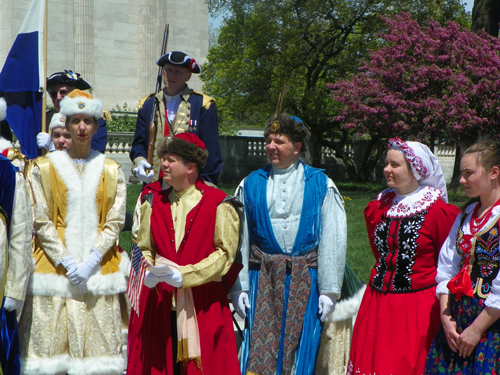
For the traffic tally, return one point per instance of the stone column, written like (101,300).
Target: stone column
(83,21)
(150,38)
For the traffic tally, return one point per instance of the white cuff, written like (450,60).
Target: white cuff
(442,288)
(94,258)
(493,300)
(66,261)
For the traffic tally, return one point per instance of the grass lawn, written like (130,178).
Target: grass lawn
(356,197)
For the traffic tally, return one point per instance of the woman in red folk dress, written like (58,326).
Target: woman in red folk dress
(407,224)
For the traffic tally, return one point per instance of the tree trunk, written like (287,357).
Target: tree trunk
(463,144)
(315,144)
(350,167)
(455,184)
(486,16)
(371,156)
(432,142)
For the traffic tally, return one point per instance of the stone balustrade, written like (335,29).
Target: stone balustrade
(242,155)
(119,143)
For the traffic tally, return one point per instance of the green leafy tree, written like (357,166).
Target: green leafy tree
(303,45)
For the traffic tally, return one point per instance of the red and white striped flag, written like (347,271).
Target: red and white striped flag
(136,278)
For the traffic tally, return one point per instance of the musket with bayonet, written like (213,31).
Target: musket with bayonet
(152,121)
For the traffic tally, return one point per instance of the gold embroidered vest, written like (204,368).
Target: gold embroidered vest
(55,192)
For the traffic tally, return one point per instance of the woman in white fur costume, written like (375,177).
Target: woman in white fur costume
(71,321)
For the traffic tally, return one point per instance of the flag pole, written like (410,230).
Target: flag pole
(44,58)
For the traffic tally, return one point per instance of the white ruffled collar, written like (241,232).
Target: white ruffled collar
(409,204)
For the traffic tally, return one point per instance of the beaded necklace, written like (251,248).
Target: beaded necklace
(477,223)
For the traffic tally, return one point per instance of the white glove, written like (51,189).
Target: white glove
(68,263)
(43,140)
(83,270)
(12,304)
(326,304)
(141,174)
(240,301)
(151,280)
(174,279)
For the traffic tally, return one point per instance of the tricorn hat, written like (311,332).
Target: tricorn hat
(68,78)
(180,59)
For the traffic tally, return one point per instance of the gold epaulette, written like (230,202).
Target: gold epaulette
(141,102)
(106,115)
(206,99)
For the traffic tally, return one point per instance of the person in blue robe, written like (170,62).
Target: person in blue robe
(293,255)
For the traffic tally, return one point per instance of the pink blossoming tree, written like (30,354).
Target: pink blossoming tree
(433,83)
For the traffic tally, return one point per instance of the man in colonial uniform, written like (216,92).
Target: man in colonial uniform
(184,318)
(179,109)
(293,255)
(15,256)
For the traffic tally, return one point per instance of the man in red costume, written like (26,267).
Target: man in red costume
(190,233)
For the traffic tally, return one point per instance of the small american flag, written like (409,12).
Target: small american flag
(136,278)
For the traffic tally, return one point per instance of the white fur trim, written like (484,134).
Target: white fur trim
(125,264)
(347,308)
(49,284)
(81,210)
(57,121)
(80,104)
(5,144)
(111,365)
(3,109)
(98,366)
(45,366)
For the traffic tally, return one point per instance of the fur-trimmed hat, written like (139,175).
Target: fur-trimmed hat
(57,121)
(68,78)
(78,101)
(180,59)
(186,145)
(291,126)
(3,109)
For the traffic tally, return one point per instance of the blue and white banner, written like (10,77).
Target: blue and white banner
(22,80)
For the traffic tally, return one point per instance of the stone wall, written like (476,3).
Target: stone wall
(114,44)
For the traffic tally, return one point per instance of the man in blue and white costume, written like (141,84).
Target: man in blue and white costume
(293,254)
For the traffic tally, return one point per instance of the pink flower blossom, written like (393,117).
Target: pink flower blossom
(439,79)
